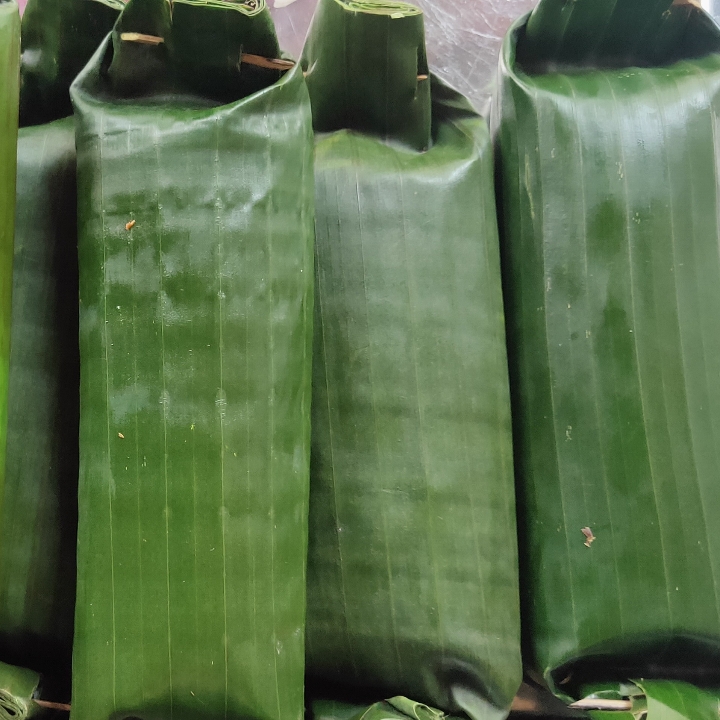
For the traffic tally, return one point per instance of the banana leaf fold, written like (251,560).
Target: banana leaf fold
(412,570)
(18,688)
(196,271)
(608,160)
(396,708)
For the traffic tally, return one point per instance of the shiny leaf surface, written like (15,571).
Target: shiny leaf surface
(610,207)
(412,579)
(195,255)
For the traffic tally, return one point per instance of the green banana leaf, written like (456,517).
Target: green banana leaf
(610,214)
(39,509)
(195,261)
(660,700)
(678,701)
(412,570)
(58,38)
(9,90)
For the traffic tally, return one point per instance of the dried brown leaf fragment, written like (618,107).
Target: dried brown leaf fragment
(589,537)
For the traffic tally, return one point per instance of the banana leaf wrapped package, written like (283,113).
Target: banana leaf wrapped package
(9,98)
(17,685)
(609,151)
(412,570)
(196,286)
(39,506)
